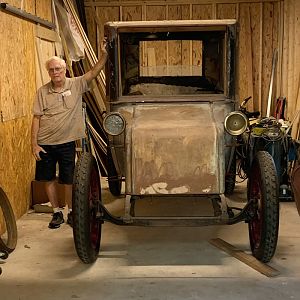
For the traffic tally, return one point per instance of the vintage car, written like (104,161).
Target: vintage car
(173,124)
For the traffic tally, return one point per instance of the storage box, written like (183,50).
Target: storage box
(39,195)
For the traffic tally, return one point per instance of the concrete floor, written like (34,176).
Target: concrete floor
(148,263)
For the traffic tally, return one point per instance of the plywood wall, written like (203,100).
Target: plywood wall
(260,24)
(17,90)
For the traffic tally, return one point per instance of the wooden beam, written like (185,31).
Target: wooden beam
(175,2)
(46,34)
(249,260)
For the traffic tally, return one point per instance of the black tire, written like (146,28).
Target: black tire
(114,184)
(86,199)
(263,190)
(230,178)
(9,243)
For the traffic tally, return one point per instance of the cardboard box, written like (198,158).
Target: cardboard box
(39,195)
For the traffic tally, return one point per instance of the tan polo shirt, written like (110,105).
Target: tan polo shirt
(61,113)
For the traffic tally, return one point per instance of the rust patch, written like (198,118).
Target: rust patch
(178,156)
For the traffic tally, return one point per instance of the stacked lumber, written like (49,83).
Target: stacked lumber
(95,98)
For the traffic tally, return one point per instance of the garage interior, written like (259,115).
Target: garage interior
(134,263)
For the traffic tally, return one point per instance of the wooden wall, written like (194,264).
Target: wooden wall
(264,26)
(290,68)
(17,90)
(260,27)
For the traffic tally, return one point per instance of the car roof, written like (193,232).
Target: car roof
(171,25)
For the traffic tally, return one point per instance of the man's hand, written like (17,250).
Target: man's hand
(36,149)
(90,75)
(103,47)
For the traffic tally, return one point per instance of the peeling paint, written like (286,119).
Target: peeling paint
(161,188)
(172,158)
(207,190)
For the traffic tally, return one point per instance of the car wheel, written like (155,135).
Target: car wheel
(263,191)
(86,198)
(8,241)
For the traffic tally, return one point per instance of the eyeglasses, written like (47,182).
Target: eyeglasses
(57,69)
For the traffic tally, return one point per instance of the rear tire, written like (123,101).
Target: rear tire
(9,243)
(263,190)
(86,199)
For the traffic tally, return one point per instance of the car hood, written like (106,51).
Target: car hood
(175,149)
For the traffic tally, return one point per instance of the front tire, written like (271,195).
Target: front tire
(263,191)
(86,200)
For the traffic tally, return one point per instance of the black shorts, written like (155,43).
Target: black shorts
(64,155)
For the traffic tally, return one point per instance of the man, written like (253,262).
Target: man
(57,123)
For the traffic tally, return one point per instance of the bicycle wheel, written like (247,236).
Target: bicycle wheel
(8,226)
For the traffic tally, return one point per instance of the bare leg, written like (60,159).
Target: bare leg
(51,191)
(68,195)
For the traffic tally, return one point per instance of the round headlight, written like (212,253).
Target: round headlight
(236,123)
(114,123)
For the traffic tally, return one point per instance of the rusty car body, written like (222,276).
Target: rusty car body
(170,86)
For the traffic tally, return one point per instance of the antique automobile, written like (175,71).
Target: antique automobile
(172,123)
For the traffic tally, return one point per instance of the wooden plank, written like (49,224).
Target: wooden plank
(296,128)
(199,12)
(169,2)
(297,53)
(285,56)
(280,56)
(132,13)
(17,91)
(178,12)
(249,260)
(226,11)
(105,14)
(29,6)
(12,75)
(267,53)
(291,54)
(46,34)
(44,9)
(158,13)
(260,56)
(245,55)
(175,49)
(202,12)
(255,22)
(90,13)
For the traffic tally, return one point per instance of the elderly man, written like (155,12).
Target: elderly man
(57,123)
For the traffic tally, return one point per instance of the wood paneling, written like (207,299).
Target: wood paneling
(132,13)
(259,22)
(17,91)
(90,13)
(43,9)
(226,11)
(105,14)
(290,76)
(267,51)
(202,12)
